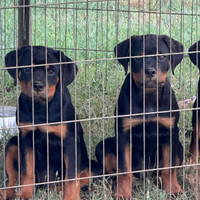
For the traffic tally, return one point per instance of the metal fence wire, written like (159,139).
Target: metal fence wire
(99,99)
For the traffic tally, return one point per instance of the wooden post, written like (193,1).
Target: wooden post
(24,23)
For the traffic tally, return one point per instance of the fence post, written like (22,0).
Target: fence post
(24,23)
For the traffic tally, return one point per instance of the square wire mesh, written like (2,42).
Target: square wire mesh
(87,32)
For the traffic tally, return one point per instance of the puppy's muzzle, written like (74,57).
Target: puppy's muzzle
(38,86)
(150,72)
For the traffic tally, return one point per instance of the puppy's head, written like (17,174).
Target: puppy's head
(195,56)
(148,59)
(37,73)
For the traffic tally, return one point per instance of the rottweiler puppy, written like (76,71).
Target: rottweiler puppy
(145,129)
(194,146)
(50,144)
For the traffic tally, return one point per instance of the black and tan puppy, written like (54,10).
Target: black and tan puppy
(194,146)
(49,149)
(147,90)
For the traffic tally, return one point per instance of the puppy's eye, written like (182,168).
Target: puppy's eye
(161,57)
(50,71)
(28,69)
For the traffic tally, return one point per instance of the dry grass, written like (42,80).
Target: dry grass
(193,178)
(134,3)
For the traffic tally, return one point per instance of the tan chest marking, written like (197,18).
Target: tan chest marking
(59,130)
(130,123)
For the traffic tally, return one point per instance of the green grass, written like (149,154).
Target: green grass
(88,32)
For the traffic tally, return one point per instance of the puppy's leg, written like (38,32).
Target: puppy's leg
(124,186)
(107,160)
(94,171)
(11,164)
(109,163)
(169,180)
(194,146)
(72,168)
(27,175)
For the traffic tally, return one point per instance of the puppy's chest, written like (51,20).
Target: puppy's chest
(59,130)
(147,117)
(40,126)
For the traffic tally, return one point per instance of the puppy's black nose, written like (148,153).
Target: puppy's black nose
(38,86)
(150,72)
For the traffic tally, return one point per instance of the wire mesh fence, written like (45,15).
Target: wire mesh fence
(130,69)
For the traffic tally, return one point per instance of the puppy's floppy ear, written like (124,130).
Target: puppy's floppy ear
(12,61)
(176,47)
(68,71)
(194,57)
(123,50)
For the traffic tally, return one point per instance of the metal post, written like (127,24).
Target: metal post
(24,27)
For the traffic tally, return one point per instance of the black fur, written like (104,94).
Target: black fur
(194,148)
(45,99)
(149,71)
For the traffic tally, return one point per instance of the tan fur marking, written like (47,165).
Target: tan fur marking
(165,121)
(162,76)
(19,75)
(125,181)
(128,161)
(28,178)
(165,174)
(110,163)
(11,156)
(84,174)
(51,90)
(194,146)
(59,130)
(72,188)
(25,130)
(130,123)
(150,90)
(25,86)
(136,76)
